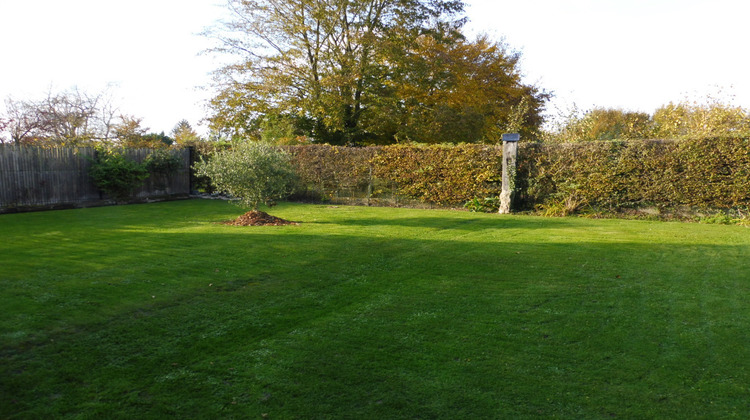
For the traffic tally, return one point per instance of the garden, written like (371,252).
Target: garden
(162,310)
(434,306)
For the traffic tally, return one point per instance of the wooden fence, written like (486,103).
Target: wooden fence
(34,178)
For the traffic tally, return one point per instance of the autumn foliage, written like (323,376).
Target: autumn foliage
(554,178)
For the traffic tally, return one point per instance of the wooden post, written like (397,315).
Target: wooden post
(510,152)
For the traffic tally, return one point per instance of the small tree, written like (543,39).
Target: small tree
(254,173)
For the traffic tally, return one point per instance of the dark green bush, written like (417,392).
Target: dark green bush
(115,174)
(162,162)
(483,205)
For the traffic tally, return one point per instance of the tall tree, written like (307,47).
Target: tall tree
(367,71)
(71,117)
(318,59)
(22,121)
(459,91)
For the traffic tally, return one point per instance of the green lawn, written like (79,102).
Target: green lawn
(156,310)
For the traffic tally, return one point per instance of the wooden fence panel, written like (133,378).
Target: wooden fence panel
(33,177)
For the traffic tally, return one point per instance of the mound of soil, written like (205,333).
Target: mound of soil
(258,218)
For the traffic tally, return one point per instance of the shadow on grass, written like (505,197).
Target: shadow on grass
(467,222)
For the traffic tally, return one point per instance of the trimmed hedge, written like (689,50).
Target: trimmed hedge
(328,172)
(708,173)
(441,174)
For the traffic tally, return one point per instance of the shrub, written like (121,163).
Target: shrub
(699,120)
(162,162)
(703,118)
(603,124)
(484,205)
(203,150)
(252,172)
(115,174)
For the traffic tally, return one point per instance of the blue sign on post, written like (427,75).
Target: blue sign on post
(511,137)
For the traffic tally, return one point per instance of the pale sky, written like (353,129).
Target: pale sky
(148,49)
(630,54)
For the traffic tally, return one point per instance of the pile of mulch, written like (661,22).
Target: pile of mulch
(258,218)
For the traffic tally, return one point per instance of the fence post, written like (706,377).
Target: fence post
(510,153)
